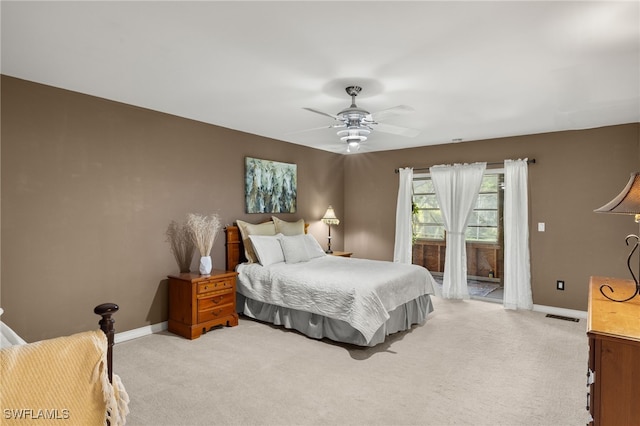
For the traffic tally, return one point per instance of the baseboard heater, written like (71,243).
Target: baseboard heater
(562,317)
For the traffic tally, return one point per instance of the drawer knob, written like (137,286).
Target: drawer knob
(588,402)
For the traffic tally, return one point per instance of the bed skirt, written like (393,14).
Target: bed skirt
(318,327)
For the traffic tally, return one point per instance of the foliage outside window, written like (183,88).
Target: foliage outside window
(484,223)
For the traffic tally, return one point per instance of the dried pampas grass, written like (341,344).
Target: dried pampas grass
(204,230)
(181,243)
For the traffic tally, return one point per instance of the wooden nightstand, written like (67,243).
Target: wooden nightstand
(614,354)
(342,253)
(199,302)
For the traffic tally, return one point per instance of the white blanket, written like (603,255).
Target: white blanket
(360,292)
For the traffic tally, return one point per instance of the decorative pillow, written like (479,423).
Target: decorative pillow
(267,248)
(247,229)
(288,228)
(313,247)
(294,249)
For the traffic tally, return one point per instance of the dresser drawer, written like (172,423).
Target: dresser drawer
(216,313)
(215,285)
(222,298)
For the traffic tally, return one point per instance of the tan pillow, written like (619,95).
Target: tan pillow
(288,228)
(247,229)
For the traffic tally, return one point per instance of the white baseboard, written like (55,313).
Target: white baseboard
(156,328)
(140,332)
(572,313)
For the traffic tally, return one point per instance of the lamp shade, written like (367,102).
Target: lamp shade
(330,217)
(628,201)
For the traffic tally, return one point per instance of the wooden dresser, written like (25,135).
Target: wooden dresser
(199,302)
(613,378)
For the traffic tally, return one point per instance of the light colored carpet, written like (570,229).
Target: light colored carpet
(476,288)
(471,363)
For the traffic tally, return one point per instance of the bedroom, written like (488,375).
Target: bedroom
(89,186)
(123,185)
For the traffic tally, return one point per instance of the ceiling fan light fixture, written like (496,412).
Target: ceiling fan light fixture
(358,134)
(353,145)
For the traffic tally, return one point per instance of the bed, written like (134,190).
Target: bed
(66,380)
(348,300)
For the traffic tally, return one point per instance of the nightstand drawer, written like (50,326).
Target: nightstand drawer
(224,298)
(215,285)
(216,313)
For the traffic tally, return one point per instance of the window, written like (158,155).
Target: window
(484,223)
(427,221)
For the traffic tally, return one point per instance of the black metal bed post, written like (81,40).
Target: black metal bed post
(105,310)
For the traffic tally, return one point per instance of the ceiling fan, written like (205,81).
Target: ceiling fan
(356,124)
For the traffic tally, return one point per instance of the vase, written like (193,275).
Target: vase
(205,265)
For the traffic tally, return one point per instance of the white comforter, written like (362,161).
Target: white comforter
(360,292)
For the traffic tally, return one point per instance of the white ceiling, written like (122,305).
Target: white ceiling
(470,70)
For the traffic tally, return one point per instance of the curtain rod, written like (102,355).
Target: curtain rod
(495,163)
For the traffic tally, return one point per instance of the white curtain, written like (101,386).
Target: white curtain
(404,230)
(517,269)
(457,189)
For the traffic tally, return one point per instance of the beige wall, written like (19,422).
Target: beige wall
(575,173)
(89,187)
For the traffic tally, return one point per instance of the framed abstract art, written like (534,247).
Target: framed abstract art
(270,186)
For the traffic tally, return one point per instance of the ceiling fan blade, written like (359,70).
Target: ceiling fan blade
(335,117)
(313,129)
(309,130)
(396,130)
(392,112)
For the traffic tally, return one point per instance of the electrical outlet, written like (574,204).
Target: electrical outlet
(559,285)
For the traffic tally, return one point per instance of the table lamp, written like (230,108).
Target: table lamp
(627,202)
(330,219)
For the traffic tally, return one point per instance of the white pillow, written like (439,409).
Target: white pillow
(294,249)
(247,229)
(313,247)
(288,228)
(267,248)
